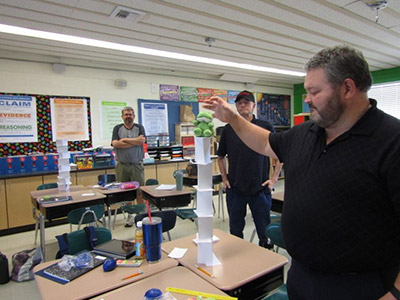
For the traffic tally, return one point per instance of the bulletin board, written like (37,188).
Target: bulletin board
(173,112)
(45,143)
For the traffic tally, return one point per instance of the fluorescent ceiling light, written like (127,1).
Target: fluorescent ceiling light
(141,50)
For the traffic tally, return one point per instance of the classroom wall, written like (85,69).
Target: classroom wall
(381,76)
(98,84)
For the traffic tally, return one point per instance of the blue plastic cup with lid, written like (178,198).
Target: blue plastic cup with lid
(152,238)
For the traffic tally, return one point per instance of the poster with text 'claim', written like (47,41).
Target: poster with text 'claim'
(69,119)
(18,119)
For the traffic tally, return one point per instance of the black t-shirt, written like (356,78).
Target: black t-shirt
(342,200)
(247,168)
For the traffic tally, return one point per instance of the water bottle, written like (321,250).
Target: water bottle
(139,244)
(179,180)
(4,273)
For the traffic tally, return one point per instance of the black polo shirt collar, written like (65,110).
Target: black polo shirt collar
(366,125)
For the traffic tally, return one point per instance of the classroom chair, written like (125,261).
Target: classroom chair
(86,215)
(274,233)
(274,219)
(106,178)
(78,240)
(138,208)
(44,186)
(168,218)
(281,294)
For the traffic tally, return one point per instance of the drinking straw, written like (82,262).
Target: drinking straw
(148,210)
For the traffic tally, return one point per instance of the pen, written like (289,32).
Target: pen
(204,271)
(133,275)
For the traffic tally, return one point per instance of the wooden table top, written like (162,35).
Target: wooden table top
(97,281)
(241,261)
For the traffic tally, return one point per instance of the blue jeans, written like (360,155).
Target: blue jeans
(260,206)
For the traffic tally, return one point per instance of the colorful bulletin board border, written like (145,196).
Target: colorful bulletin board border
(274,108)
(44,144)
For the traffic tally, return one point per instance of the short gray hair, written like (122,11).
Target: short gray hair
(341,62)
(127,108)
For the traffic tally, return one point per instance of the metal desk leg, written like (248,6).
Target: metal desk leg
(42,235)
(109,217)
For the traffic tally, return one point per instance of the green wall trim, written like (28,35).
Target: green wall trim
(381,76)
(387,75)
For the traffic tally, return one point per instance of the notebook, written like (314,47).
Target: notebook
(116,249)
(55,273)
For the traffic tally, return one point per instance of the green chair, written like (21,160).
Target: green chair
(274,219)
(44,186)
(78,240)
(168,218)
(135,209)
(86,215)
(106,178)
(274,233)
(152,181)
(281,294)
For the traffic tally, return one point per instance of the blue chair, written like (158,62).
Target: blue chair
(45,186)
(86,215)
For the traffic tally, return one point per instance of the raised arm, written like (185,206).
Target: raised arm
(252,135)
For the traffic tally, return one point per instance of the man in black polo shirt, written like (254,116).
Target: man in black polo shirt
(128,139)
(247,181)
(341,218)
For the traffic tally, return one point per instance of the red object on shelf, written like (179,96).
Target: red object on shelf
(188,141)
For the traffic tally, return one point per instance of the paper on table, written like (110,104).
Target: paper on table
(177,252)
(166,187)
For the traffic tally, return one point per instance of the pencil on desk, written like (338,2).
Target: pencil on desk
(132,275)
(204,271)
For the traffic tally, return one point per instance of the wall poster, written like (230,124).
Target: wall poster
(69,119)
(274,108)
(110,116)
(18,119)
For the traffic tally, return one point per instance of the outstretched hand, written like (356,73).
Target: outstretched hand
(222,110)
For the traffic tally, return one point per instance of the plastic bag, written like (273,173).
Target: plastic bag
(23,263)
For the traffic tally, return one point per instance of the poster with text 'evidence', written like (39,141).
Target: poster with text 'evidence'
(69,119)
(18,119)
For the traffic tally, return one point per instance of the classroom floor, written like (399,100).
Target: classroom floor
(28,290)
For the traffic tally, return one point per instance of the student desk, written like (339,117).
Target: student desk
(164,198)
(97,281)
(177,277)
(116,195)
(277,202)
(81,197)
(247,271)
